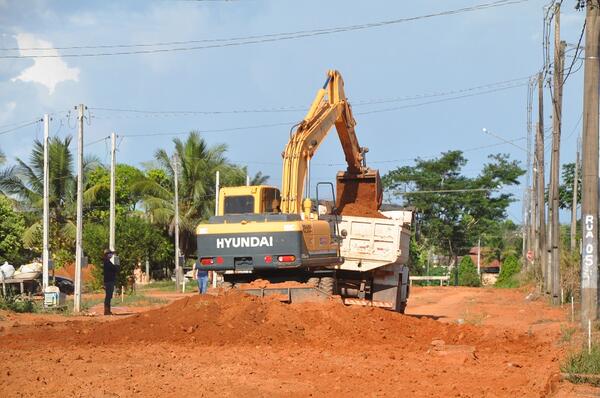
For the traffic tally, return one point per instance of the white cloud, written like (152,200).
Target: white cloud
(6,110)
(46,71)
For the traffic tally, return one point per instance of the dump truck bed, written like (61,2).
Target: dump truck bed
(371,243)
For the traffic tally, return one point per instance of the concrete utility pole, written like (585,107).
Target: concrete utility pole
(559,52)
(589,183)
(247,180)
(176,178)
(574,203)
(479,256)
(539,149)
(531,168)
(113,177)
(217,188)
(46,211)
(79,234)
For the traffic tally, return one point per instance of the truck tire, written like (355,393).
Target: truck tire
(402,308)
(313,281)
(327,284)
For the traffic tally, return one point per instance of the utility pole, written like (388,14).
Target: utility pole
(532,240)
(559,51)
(79,234)
(247,180)
(479,257)
(113,177)
(176,177)
(589,183)
(542,255)
(217,188)
(574,203)
(46,211)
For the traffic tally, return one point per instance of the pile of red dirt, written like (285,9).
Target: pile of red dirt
(359,210)
(238,319)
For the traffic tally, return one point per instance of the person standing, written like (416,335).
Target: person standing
(201,276)
(110,277)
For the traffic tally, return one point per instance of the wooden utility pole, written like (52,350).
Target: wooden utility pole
(589,183)
(113,177)
(46,211)
(559,52)
(574,203)
(79,234)
(541,203)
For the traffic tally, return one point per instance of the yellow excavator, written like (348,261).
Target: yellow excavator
(263,233)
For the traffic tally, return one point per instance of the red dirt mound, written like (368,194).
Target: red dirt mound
(237,319)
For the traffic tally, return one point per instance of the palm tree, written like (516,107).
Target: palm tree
(5,173)
(197,165)
(27,184)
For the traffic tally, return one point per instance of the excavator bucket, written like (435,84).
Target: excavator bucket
(359,194)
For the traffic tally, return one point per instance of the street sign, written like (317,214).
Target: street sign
(530,256)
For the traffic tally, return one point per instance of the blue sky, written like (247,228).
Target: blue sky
(422,57)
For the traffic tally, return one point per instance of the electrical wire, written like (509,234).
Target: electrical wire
(241,41)
(20,126)
(506,84)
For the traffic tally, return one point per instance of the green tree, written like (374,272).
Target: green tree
(508,272)
(26,184)
(467,273)
(6,174)
(137,240)
(565,190)
(454,220)
(12,226)
(198,163)
(97,193)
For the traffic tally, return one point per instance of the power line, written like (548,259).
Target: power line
(441,100)
(210,131)
(241,41)
(20,126)
(495,86)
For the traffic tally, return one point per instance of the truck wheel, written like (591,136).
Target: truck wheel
(313,281)
(402,308)
(327,284)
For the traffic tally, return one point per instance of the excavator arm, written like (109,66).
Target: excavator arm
(329,108)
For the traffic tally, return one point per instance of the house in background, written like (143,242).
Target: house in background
(489,269)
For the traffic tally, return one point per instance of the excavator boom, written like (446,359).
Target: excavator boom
(358,185)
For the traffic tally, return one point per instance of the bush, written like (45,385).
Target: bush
(509,272)
(12,303)
(467,273)
(583,363)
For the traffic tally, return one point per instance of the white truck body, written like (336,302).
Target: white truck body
(372,243)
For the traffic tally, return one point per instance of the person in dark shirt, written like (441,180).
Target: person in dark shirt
(201,275)
(110,277)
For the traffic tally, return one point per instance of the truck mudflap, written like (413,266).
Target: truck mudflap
(396,296)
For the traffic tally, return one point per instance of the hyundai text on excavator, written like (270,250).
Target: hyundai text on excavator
(280,236)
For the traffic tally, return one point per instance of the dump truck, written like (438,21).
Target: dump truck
(341,247)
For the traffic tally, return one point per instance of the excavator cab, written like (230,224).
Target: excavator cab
(260,199)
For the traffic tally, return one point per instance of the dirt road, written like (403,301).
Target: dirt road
(458,342)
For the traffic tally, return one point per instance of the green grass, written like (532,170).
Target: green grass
(129,300)
(566,333)
(17,304)
(167,285)
(582,363)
